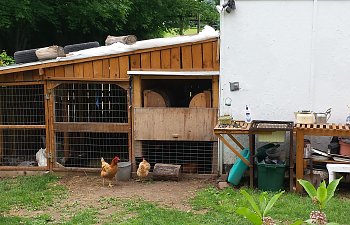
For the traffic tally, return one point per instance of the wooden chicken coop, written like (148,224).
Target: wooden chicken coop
(175,105)
(77,111)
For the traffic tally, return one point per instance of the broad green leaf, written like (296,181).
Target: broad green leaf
(252,203)
(331,188)
(272,202)
(309,188)
(251,216)
(322,194)
(299,222)
(263,201)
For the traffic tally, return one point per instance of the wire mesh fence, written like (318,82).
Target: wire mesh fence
(21,105)
(84,149)
(194,157)
(91,102)
(19,147)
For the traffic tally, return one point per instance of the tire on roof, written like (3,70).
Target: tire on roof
(81,46)
(25,56)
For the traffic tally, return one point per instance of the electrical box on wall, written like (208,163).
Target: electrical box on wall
(234,86)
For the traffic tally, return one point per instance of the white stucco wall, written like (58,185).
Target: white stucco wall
(287,55)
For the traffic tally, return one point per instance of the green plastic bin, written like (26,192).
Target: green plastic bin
(270,176)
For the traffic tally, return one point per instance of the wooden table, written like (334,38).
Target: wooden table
(315,130)
(235,128)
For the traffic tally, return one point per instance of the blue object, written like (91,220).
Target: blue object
(236,173)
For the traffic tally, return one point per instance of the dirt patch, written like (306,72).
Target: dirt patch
(87,191)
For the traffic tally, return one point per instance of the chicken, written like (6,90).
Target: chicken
(143,169)
(109,170)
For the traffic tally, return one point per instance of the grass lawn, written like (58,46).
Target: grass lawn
(209,206)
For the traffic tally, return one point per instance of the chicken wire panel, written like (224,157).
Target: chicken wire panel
(20,147)
(22,105)
(91,102)
(86,149)
(194,157)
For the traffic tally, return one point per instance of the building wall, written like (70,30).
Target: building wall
(287,55)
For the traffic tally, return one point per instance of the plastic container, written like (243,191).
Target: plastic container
(344,148)
(270,176)
(236,172)
(248,115)
(124,171)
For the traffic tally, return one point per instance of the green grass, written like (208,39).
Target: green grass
(210,206)
(29,192)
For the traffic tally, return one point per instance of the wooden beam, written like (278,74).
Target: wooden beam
(137,92)
(92,127)
(22,126)
(215,91)
(233,149)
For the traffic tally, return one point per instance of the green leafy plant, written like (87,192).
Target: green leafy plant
(320,197)
(6,59)
(259,214)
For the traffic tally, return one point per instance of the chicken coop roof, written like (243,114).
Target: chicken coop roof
(115,49)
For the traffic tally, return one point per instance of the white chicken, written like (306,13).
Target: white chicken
(41,157)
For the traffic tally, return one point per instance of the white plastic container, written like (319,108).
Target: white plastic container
(248,116)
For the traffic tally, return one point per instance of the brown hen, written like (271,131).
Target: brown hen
(143,169)
(109,170)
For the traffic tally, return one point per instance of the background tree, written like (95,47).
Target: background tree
(26,24)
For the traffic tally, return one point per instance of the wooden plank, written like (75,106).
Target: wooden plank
(135,61)
(105,68)
(78,70)
(216,55)
(27,76)
(235,141)
(299,159)
(186,56)
(155,60)
(197,56)
(192,124)
(114,68)
(146,60)
(208,55)
(19,76)
(59,71)
(91,127)
(97,68)
(165,59)
(124,67)
(36,75)
(88,70)
(50,72)
(175,58)
(69,71)
(233,149)
(215,91)
(137,91)
(22,127)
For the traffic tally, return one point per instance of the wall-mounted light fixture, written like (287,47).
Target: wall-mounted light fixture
(228,6)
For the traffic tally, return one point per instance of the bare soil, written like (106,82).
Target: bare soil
(87,191)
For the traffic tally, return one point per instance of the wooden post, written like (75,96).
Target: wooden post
(215,92)
(1,133)
(291,161)
(299,159)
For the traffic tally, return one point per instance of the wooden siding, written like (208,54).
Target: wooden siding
(189,56)
(192,124)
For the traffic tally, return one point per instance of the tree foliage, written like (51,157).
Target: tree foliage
(26,24)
